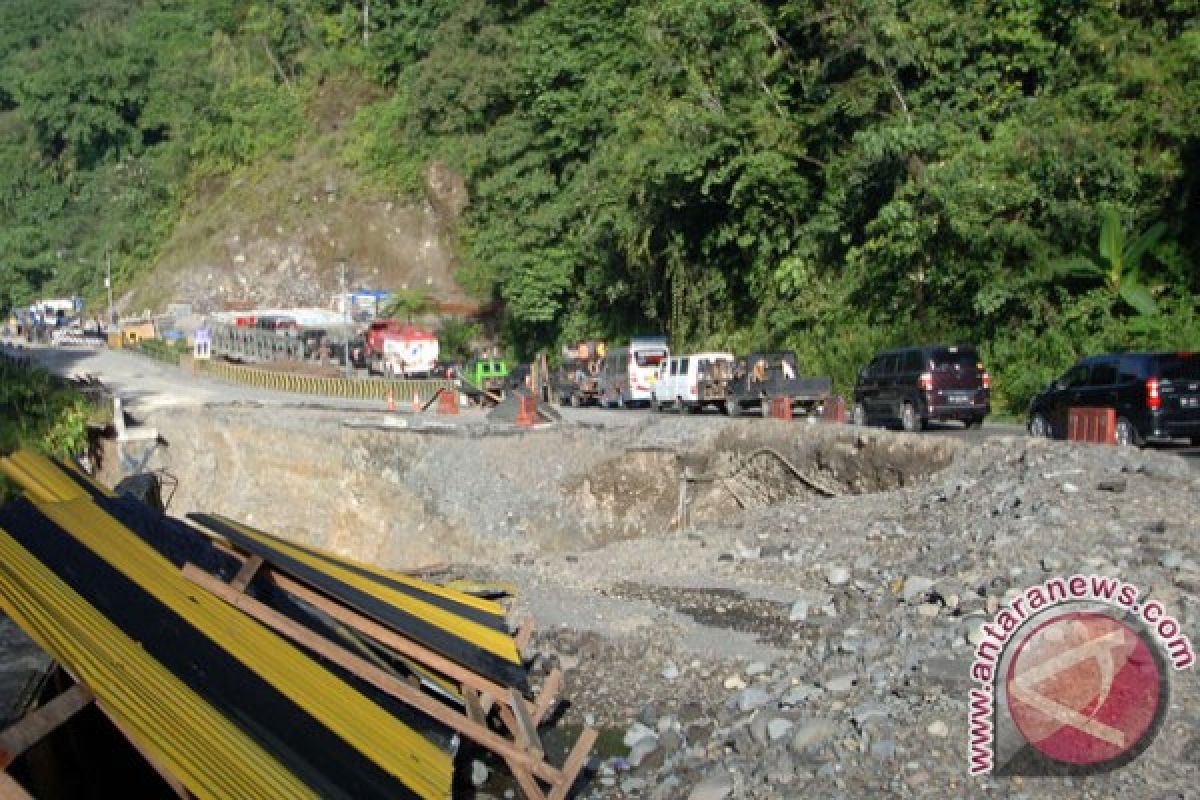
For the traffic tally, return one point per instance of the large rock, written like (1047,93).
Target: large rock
(812,735)
(717,787)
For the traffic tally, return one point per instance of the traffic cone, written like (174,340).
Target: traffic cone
(416,402)
(391,399)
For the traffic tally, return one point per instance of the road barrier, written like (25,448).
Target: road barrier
(834,410)
(527,413)
(781,407)
(447,402)
(1094,425)
(327,386)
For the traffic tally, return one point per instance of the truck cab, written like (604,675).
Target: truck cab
(758,377)
(489,374)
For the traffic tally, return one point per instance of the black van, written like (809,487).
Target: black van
(1156,396)
(917,384)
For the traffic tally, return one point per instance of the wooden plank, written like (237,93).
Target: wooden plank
(41,722)
(386,636)
(11,790)
(379,678)
(169,779)
(527,733)
(574,763)
(529,786)
(524,634)
(246,574)
(547,697)
(471,702)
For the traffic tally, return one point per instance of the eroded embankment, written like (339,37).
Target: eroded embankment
(406,498)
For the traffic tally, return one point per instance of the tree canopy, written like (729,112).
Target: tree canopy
(825,176)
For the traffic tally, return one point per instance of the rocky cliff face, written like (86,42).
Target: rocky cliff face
(279,241)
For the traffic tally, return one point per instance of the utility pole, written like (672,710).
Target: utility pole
(108,285)
(346,318)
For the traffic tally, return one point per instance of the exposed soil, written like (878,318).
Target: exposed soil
(805,629)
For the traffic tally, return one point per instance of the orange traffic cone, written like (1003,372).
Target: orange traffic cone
(391,400)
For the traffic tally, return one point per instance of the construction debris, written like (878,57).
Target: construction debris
(240,664)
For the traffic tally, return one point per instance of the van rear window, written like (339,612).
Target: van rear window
(1179,367)
(650,358)
(961,359)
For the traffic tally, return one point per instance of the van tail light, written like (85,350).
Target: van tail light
(925,382)
(987,381)
(1153,398)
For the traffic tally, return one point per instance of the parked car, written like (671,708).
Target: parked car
(914,385)
(1156,396)
(689,383)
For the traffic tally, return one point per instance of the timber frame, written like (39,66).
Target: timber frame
(40,722)
(512,736)
(493,716)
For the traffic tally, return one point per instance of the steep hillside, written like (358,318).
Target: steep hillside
(827,176)
(275,239)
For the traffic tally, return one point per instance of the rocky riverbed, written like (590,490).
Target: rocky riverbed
(816,646)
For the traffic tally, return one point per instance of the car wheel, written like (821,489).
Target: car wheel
(860,415)
(1039,427)
(974,422)
(909,418)
(1127,435)
(1195,441)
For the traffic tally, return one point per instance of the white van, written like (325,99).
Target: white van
(691,382)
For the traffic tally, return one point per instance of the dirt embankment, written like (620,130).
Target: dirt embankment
(403,498)
(783,642)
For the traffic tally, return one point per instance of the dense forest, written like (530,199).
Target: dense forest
(825,175)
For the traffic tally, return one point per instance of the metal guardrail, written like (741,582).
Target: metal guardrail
(257,345)
(402,391)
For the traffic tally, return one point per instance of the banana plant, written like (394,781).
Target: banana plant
(1117,264)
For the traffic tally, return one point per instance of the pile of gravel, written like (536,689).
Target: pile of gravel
(822,647)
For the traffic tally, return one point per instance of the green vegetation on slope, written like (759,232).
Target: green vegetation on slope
(827,176)
(40,412)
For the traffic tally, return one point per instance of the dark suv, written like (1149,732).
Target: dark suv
(1156,396)
(917,384)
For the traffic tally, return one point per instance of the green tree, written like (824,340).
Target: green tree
(1117,263)
(408,303)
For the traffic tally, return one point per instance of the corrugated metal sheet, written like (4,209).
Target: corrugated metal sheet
(178,718)
(431,614)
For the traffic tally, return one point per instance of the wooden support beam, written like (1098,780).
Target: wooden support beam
(386,636)
(471,702)
(11,790)
(529,786)
(527,733)
(524,634)
(41,722)
(169,779)
(547,697)
(379,678)
(246,573)
(574,763)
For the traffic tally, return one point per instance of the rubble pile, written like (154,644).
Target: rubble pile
(822,647)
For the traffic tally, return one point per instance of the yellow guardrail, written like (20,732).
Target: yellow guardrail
(402,391)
